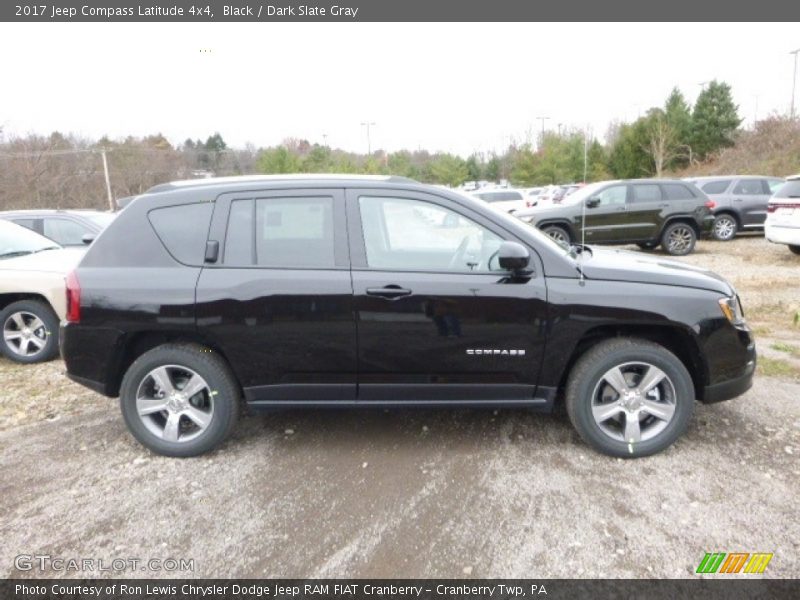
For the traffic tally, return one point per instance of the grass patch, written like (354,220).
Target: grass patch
(762,330)
(777,367)
(784,347)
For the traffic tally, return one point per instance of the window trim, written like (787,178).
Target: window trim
(358,249)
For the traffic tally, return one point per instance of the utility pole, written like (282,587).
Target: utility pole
(543,119)
(585,153)
(368,124)
(325,139)
(794,81)
(108,181)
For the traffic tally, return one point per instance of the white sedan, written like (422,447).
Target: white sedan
(783,215)
(32,292)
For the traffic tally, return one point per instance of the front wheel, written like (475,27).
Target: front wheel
(725,228)
(629,398)
(30,332)
(678,239)
(559,234)
(179,400)
(795,249)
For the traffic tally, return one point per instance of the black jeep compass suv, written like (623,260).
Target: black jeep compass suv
(320,291)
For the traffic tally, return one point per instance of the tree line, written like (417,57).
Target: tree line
(66,171)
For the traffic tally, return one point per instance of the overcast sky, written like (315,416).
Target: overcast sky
(452,87)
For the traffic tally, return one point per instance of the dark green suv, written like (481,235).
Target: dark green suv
(647,212)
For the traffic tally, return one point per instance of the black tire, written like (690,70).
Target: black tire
(725,227)
(647,245)
(586,385)
(221,396)
(24,316)
(678,239)
(794,249)
(558,233)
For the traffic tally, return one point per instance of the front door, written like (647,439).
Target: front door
(437,319)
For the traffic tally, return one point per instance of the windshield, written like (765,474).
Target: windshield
(16,240)
(586,191)
(100,218)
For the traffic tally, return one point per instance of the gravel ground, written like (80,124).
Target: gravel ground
(449,493)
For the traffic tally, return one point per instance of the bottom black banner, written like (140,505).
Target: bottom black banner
(406,589)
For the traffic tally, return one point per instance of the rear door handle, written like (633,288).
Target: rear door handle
(389,291)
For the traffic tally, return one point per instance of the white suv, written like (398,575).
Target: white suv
(504,199)
(783,215)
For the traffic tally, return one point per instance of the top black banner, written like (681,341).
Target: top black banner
(402,10)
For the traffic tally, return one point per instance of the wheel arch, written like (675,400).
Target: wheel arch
(675,339)
(560,223)
(686,220)
(138,343)
(731,213)
(10,298)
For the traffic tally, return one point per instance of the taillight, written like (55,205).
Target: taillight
(710,204)
(771,208)
(73,298)
(528,203)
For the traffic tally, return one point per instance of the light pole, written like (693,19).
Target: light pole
(543,119)
(794,80)
(368,124)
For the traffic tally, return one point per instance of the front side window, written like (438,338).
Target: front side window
(612,196)
(281,232)
(749,187)
(401,233)
(65,232)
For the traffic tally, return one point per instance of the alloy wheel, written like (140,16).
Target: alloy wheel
(633,402)
(680,240)
(175,403)
(724,228)
(25,333)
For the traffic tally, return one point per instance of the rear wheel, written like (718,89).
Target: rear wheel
(629,398)
(725,227)
(795,249)
(30,331)
(678,239)
(558,233)
(179,400)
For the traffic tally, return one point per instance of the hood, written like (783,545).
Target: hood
(623,265)
(48,261)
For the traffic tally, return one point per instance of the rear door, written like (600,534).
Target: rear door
(644,207)
(279,299)
(750,197)
(437,320)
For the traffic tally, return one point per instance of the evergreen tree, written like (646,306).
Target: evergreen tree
(714,120)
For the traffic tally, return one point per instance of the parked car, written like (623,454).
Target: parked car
(783,215)
(32,292)
(647,212)
(741,201)
(65,227)
(299,292)
(505,199)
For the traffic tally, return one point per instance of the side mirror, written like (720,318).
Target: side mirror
(88,238)
(514,257)
(593,202)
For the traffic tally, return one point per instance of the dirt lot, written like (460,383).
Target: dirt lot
(419,494)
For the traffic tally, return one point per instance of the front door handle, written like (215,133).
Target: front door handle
(389,291)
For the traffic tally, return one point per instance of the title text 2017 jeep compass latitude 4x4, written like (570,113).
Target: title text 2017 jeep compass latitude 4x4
(350,291)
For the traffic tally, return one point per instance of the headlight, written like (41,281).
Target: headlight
(732,309)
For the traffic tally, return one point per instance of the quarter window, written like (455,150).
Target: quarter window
(677,191)
(407,234)
(716,187)
(183,230)
(646,193)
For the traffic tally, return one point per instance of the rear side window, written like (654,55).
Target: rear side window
(646,193)
(790,189)
(281,233)
(677,191)
(716,187)
(183,230)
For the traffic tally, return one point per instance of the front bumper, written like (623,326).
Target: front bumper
(732,388)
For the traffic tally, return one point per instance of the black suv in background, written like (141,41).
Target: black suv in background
(342,291)
(646,212)
(740,201)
